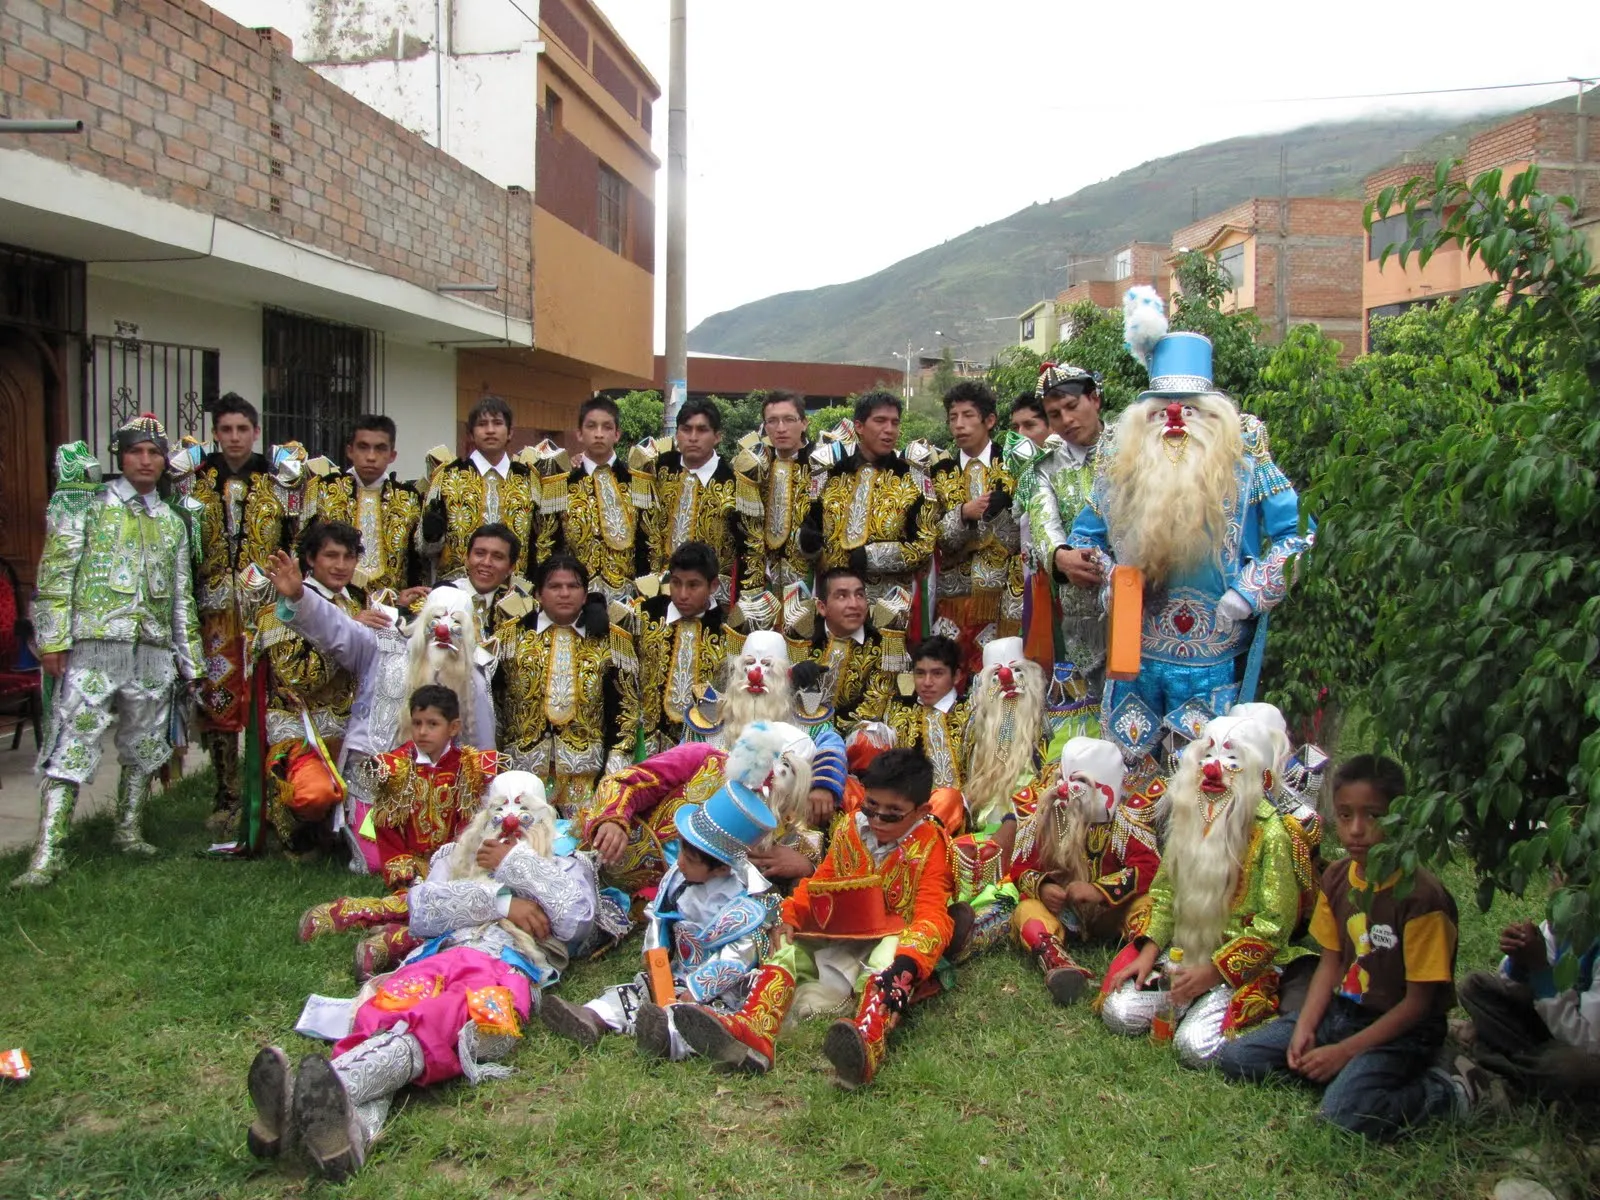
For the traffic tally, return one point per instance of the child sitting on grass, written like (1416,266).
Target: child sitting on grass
(704,913)
(1374,1017)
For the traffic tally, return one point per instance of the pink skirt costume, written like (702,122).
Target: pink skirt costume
(430,996)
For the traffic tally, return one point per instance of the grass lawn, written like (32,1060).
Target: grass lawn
(143,989)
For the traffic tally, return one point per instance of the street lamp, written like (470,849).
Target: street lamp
(906,392)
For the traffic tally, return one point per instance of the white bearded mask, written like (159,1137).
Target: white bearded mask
(1232,749)
(765,656)
(1092,773)
(515,810)
(446,622)
(1270,716)
(1004,655)
(443,639)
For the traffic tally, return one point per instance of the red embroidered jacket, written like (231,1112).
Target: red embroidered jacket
(1123,853)
(419,807)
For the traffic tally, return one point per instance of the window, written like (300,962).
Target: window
(552,110)
(1391,231)
(613,223)
(1027,329)
(317,377)
(127,377)
(1122,264)
(1231,260)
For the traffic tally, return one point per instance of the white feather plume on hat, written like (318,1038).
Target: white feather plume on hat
(1144,322)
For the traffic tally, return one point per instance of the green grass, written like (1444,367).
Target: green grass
(142,990)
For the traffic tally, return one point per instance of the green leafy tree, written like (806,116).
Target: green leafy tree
(641,414)
(1095,344)
(944,375)
(1015,369)
(1237,354)
(1482,539)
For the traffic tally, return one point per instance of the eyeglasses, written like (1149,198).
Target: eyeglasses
(884,816)
(782,421)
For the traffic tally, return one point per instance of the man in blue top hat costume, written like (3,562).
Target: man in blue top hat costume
(1187,492)
(711,912)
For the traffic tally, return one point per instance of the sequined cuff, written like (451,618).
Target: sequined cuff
(1242,959)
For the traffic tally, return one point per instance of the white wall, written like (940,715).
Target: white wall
(420,394)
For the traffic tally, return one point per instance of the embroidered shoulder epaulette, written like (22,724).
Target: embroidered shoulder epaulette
(321,467)
(1253,431)
(622,650)
(922,455)
(645,457)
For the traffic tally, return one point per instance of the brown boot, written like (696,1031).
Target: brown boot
(569,1020)
(746,1040)
(856,1048)
(1065,979)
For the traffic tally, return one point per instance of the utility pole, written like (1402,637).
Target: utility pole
(677,380)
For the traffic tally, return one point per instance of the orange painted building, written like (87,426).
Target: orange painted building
(1561,144)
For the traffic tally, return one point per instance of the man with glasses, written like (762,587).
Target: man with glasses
(785,484)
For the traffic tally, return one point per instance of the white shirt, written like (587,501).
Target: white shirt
(589,464)
(422,758)
(484,466)
(125,491)
(368,487)
(859,637)
(988,453)
(674,616)
(544,622)
(945,702)
(705,470)
(326,592)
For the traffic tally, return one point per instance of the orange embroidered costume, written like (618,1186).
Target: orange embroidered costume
(872,916)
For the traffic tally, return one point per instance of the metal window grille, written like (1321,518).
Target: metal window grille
(613,210)
(318,377)
(128,376)
(40,291)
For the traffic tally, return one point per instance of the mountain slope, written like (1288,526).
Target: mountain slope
(1005,266)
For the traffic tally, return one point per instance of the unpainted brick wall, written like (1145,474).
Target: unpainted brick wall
(185,104)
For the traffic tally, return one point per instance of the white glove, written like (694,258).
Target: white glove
(1231,609)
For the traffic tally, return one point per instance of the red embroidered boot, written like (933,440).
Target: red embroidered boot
(744,1040)
(383,951)
(1065,979)
(856,1048)
(352,912)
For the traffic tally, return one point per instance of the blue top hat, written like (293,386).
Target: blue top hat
(1180,365)
(728,825)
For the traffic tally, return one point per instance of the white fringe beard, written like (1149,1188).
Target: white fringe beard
(426,664)
(1063,839)
(1205,866)
(998,766)
(540,838)
(742,708)
(1166,516)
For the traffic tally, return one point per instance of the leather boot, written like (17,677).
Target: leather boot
(223,749)
(568,1020)
(340,1106)
(989,929)
(56,800)
(1064,978)
(272,1093)
(745,1040)
(352,912)
(133,795)
(856,1048)
(383,951)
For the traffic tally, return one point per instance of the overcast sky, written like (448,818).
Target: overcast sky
(970,111)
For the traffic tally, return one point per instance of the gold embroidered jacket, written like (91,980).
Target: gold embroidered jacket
(784,487)
(881,516)
(724,513)
(472,499)
(601,520)
(387,517)
(980,561)
(244,516)
(567,703)
(940,736)
(303,677)
(673,658)
(861,675)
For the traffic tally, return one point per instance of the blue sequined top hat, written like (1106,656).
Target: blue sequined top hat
(1180,365)
(728,825)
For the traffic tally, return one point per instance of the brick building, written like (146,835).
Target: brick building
(1104,278)
(542,95)
(226,220)
(1293,262)
(1559,143)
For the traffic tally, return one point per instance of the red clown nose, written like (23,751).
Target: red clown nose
(511,826)
(1211,777)
(1174,418)
(1006,679)
(441,633)
(756,681)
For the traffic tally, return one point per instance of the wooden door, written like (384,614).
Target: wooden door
(24,475)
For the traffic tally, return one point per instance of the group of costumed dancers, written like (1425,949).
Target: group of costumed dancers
(723,702)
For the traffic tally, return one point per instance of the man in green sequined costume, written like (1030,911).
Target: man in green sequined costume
(115,621)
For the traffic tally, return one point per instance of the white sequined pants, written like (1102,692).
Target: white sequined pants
(105,680)
(1199,1037)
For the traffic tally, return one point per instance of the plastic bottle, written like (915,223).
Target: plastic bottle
(1165,1021)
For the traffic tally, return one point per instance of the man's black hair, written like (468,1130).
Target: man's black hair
(784,396)
(374,423)
(940,649)
(319,533)
(489,406)
(826,579)
(437,696)
(560,562)
(599,404)
(974,392)
(501,531)
(1384,775)
(870,402)
(1029,400)
(701,406)
(905,771)
(696,557)
(232,404)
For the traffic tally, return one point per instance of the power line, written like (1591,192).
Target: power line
(1490,87)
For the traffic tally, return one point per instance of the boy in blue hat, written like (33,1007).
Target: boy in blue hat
(705,914)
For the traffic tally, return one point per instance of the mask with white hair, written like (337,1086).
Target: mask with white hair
(443,639)
(755,684)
